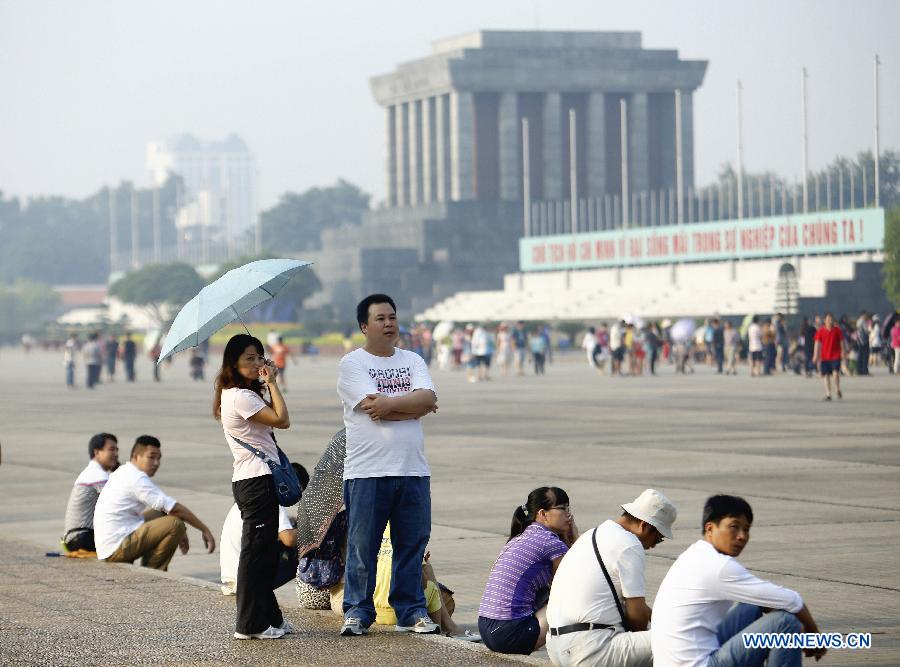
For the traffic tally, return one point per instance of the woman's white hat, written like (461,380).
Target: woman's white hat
(654,508)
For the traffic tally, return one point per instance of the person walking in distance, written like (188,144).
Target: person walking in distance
(829,354)
(93,358)
(69,353)
(755,347)
(129,354)
(520,344)
(246,417)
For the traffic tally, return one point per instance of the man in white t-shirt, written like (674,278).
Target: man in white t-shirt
(616,346)
(585,616)
(755,346)
(385,391)
(696,622)
(122,534)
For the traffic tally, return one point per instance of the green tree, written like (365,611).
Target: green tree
(891,268)
(296,222)
(291,297)
(62,241)
(159,288)
(26,306)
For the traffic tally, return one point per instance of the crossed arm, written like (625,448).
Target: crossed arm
(415,404)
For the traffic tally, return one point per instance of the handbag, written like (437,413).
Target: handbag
(323,567)
(287,486)
(609,581)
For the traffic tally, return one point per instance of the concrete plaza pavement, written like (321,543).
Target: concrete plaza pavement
(822,477)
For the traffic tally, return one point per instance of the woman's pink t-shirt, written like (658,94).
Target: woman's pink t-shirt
(238,405)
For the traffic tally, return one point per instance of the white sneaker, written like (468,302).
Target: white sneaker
(423,626)
(268,633)
(287,627)
(353,627)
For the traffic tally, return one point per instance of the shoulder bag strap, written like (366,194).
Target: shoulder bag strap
(251,448)
(609,580)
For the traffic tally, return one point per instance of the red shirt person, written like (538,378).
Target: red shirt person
(829,350)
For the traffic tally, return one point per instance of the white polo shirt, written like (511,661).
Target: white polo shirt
(126,495)
(580,593)
(694,598)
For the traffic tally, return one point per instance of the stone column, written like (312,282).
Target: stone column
(391,154)
(553,146)
(638,142)
(510,153)
(596,145)
(428,189)
(401,134)
(687,138)
(441,148)
(415,152)
(462,137)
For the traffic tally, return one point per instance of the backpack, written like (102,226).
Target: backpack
(323,567)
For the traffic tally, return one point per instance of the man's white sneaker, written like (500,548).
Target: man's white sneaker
(422,626)
(268,633)
(352,627)
(287,627)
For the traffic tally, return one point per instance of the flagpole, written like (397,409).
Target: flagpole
(877,152)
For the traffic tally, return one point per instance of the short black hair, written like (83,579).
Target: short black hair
(98,441)
(362,309)
(142,442)
(302,475)
(720,506)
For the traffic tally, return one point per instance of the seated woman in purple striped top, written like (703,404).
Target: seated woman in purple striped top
(512,617)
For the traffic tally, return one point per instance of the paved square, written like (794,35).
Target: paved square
(822,477)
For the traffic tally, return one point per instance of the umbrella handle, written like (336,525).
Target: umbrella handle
(241,320)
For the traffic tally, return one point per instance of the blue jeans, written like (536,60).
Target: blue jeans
(749,618)
(371,502)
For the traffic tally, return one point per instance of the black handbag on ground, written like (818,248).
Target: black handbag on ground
(609,581)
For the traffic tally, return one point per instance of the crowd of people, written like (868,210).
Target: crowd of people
(98,351)
(583,595)
(769,346)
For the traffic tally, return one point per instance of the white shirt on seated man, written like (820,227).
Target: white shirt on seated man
(586,627)
(122,531)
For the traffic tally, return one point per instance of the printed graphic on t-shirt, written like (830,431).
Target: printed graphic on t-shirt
(392,380)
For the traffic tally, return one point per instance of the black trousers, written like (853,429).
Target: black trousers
(257,607)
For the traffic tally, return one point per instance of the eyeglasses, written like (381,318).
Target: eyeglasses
(563,508)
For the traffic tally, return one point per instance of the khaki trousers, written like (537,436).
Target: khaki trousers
(154,543)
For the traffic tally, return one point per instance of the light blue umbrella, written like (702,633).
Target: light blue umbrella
(225,300)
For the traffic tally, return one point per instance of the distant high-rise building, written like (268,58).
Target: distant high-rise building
(220,184)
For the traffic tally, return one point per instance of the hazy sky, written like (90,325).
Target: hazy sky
(84,85)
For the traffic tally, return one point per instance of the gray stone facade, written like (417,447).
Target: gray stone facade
(454,164)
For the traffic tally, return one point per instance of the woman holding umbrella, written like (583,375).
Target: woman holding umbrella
(247,417)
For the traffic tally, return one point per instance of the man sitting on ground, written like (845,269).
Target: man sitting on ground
(120,530)
(103,452)
(695,620)
(586,620)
